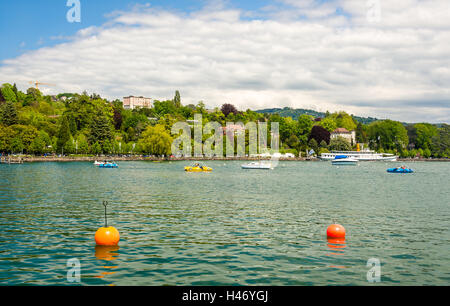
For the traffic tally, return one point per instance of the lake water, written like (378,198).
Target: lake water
(228,227)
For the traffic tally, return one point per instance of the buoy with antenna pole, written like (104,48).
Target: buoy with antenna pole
(108,236)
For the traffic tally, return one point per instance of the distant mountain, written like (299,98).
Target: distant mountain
(295,113)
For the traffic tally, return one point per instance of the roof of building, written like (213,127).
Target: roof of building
(136,97)
(341,131)
(233,127)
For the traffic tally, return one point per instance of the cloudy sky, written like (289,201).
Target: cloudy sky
(388,59)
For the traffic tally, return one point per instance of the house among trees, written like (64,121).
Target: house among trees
(236,129)
(344,133)
(133,102)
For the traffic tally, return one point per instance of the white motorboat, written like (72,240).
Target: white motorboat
(96,163)
(258,165)
(342,160)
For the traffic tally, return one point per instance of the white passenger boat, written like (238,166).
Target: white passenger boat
(360,155)
(343,160)
(258,165)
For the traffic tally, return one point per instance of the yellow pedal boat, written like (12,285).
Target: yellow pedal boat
(198,168)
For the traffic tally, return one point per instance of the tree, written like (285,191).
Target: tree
(16,145)
(228,109)
(177,99)
(344,120)
(6,136)
(69,146)
(26,134)
(287,126)
(34,93)
(388,135)
(424,135)
(305,124)
(107,146)
(293,142)
(440,143)
(40,143)
(361,134)
(200,107)
(320,134)
(7,93)
(339,144)
(83,145)
(164,108)
(328,123)
(118,118)
(100,129)
(313,145)
(156,141)
(96,148)
(63,134)
(8,114)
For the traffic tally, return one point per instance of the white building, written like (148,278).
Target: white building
(133,102)
(344,133)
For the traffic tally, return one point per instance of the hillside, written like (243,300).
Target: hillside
(295,113)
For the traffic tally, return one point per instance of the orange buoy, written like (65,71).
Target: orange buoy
(107,236)
(336,231)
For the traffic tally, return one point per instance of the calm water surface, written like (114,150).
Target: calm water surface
(229,227)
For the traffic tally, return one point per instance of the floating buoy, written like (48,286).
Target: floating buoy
(336,231)
(107,235)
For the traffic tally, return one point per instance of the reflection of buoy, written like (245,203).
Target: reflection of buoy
(108,236)
(336,231)
(108,253)
(336,243)
(337,247)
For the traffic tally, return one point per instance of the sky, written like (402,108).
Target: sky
(379,58)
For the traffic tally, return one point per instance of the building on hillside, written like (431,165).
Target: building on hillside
(344,133)
(234,128)
(133,102)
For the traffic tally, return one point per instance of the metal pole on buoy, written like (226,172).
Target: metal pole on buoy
(107,235)
(105,203)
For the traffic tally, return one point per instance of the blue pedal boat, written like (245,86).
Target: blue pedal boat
(108,165)
(400,170)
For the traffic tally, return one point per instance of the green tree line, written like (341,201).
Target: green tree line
(72,123)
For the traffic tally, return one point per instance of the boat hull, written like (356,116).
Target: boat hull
(197,169)
(108,166)
(344,163)
(396,170)
(256,168)
(360,156)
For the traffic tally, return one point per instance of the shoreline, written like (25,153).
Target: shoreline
(35,159)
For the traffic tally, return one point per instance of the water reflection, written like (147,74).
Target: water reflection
(337,247)
(107,253)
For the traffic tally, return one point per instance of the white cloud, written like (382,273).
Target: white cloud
(397,68)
